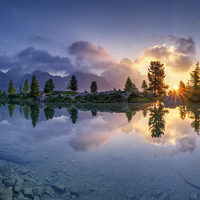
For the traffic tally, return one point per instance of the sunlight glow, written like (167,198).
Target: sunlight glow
(175,87)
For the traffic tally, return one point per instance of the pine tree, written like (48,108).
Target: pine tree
(73,82)
(11,89)
(144,85)
(134,88)
(129,85)
(26,86)
(47,87)
(181,87)
(93,87)
(156,77)
(114,89)
(20,89)
(195,77)
(51,84)
(34,87)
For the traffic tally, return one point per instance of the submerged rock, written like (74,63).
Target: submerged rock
(60,187)
(193,196)
(28,193)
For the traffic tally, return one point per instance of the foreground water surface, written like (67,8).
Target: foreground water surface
(149,152)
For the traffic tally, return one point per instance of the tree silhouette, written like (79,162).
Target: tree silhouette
(49,112)
(182,111)
(144,85)
(93,87)
(26,111)
(34,114)
(156,77)
(129,115)
(26,86)
(73,112)
(34,87)
(128,85)
(93,112)
(11,89)
(51,84)
(11,108)
(195,77)
(74,83)
(47,87)
(194,113)
(156,120)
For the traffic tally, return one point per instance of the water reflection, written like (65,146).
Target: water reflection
(156,120)
(137,165)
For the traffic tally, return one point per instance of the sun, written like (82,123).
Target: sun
(175,87)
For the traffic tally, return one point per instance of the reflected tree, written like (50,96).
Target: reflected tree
(194,113)
(94,112)
(49,112)
(156,120)
(11,108)
(34,114)
(182,111)
(73,112)
(144,112)
(129,115)
(26,111)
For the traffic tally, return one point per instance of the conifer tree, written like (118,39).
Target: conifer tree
(20,89)
(195,77)
(11,89)
(144,85)
(129,85)
(26,86)
(73,82)
(93,87)
(51,84)
(47,87)
(34,87)
(156,77)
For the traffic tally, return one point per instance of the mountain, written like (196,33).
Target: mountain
(84,80)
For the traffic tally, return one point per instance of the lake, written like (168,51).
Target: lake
(95,152)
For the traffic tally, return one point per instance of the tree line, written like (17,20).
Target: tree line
(49,86)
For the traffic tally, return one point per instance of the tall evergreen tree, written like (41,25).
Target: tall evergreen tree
(11,89)
(195,77)
(20,89)
(144,85)
(74,83)
(128,85)
(93,87)
(26,86)
(47,87)
(34,87)
(156,77)
(181,87)
(51,84)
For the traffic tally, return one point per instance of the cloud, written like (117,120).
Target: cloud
(37,59)
(172,57)
(185,46)
(119,72)
(84,50)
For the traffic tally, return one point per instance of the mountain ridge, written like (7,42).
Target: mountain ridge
(84,80)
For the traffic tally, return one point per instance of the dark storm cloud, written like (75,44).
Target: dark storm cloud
(88,50)
(186,46)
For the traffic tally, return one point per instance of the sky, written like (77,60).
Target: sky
(112,38)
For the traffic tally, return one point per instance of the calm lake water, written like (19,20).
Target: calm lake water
(151,152)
